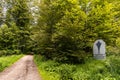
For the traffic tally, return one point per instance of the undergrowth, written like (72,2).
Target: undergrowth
(6,61)
(108,69)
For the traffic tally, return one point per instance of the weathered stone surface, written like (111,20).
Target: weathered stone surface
(99,49)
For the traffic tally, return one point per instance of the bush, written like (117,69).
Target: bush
(3,52)
(51,66)
(76,57)
(112,50)
(92,70)
(1,67)
(66,71)
(115,66)
(9,52)
(16,51)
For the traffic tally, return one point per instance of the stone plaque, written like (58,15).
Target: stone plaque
(99,49)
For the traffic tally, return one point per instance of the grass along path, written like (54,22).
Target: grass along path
(43,66)
(6,61)
(108,69)
(23,69)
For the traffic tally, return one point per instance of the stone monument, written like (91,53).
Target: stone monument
(99,49)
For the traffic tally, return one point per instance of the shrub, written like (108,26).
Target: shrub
(51,66)
(66,71)
(92,70)
(3,52)
(16,51)
(1,67)
(9,52)
(112,50)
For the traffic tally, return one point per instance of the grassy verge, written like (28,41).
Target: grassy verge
(108,69)
(42,65)
(6,61)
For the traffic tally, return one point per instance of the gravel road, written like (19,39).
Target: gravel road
(23,69)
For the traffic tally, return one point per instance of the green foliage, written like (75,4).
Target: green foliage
(59,26)
(19,13)
(1,12)
(7,61)
(10,40)
(113,50)
(69,27)
(9,52)
(92,69)
(62,30)
(66,71)
(118,42)
(47,73)
(8,37)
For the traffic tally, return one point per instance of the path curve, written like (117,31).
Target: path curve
(23,69)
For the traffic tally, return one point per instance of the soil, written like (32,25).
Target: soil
(23,69)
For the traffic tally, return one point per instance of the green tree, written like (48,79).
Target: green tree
(70,27)
(100,22)
(19,12)
(8,37)
(1,12)
(61,23)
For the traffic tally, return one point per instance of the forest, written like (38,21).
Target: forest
(60,34)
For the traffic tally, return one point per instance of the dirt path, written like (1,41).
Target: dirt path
(24,69)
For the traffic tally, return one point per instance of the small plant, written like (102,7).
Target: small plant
(92,69)
(6,61)
(66,71)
